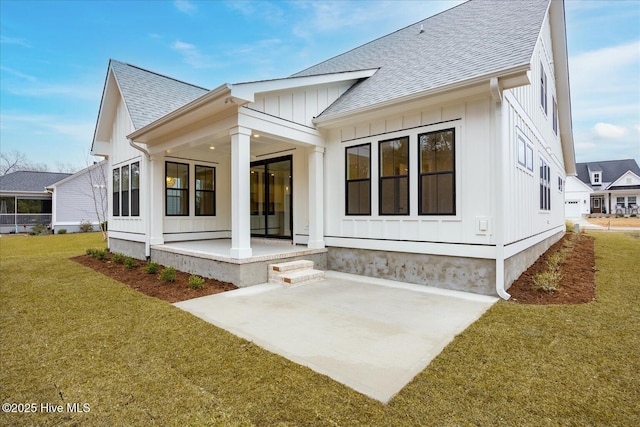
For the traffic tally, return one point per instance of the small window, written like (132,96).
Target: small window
(358,177)
(620,201)
(116,192)
(135,189)
(437,173)
(545,185)
(555,116)
(525,153)
(205,191)
(394,177)
(177,189)
(596,178)
(560,184)
(543,89)
(631,200)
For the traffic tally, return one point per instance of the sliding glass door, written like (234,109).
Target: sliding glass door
(271,201)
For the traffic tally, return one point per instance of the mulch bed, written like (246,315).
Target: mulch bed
(149,284)
(576,286)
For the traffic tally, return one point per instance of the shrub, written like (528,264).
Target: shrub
(62,231)
(195,282)
(86,226)
(152,267)
(633,215)
(547,281)
(130,263)
(38,230)
(569,226)
(118,258)
(97,253)
(104,226)
(168,274)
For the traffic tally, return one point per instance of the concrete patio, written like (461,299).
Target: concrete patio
(372,335)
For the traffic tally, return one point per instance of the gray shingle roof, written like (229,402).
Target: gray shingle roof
(471,40)
(611,171)
(28,181)
(149,95)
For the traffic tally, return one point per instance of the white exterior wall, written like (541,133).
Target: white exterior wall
(122,154)
(525,115)
(577,198)
(473,177)
(76,200)
(300,105)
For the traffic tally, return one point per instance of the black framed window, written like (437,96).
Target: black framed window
(437,181)
(176,189)
(135,189)
(555,116)
(358,180)
(124,186)
(543,89)
(205,191)
(545,185)
(394,176)
(116,192)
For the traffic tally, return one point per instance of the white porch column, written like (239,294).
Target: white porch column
(155,200)
(316,198)
(240,193)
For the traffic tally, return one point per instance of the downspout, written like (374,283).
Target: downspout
(500,135)
(147,185)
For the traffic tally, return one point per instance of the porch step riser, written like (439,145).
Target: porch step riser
(294,273)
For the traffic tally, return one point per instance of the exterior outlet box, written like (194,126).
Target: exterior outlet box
(483,224)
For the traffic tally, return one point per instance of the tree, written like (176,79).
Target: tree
(98,182)
(16,161)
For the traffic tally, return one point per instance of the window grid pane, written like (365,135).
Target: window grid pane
(205,191)
(358,180)
(437,177)
(177,189)
(394,177)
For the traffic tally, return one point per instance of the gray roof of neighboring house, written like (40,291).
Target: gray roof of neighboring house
(30,182)
(148,95)
(471,40)
(611,171)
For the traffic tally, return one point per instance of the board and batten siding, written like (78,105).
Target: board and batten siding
(300,105)
(473,175)
(525,116)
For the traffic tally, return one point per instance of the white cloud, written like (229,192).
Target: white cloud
(13,40)
(185,6)
(193,56)
(18,74)
(609,131)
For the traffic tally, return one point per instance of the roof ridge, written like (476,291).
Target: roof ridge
(157,74)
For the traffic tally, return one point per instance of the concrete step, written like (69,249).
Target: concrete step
(301,277)
(285,267)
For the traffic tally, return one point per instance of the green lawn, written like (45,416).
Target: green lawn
(71,335)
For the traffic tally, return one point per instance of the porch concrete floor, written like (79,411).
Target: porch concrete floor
(218,249)
(372,335)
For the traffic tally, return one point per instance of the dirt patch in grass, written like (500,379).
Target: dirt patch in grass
(149,284)
(577,274)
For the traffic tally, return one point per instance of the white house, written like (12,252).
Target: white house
(57,200)
(604,187)
(434,155)
(80,198)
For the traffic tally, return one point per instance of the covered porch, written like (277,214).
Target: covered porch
(213,258)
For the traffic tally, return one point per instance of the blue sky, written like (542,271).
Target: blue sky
(54,55)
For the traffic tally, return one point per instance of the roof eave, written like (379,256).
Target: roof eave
(221,92)
(508,78)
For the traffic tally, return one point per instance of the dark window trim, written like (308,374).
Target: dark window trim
(543,89)
(115,211)
(134,208)
(182,190)
(452,172)
(347,181)
(124,190)
(195,176)
(394,177)
(545,185)
(555,115)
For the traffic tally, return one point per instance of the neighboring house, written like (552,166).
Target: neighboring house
(80,198)
(434,155)
(577,196)
(606,187)
(57,200)
(25,201)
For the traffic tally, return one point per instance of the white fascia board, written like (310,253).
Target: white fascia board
(247,91)
(293,131)
(557,23)
(618,182)
(105,105)
(507,79)
(221,92)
